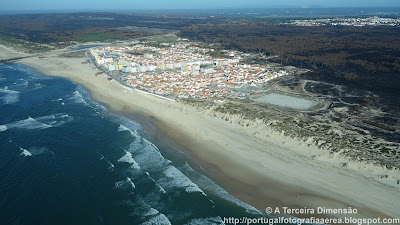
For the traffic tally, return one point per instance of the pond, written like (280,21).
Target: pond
(287,101)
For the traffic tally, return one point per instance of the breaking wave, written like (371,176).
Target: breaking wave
(174,179)
(25,152)
(10,96)
(44,122)
(77,98)
(27,124)
(3,128)
(210,186)
(206,221)
(156,218)
(128,159)
(124,183)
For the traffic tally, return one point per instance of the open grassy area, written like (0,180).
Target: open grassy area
(163,38)
(96,36)
(25,46)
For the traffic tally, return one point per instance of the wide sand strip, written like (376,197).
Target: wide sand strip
(9,53)
(255,164)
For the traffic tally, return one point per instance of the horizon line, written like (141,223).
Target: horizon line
(220,8)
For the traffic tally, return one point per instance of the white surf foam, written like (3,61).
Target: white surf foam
(129,159)
(130,181)
(157,219)
(111,166)
(25,152)
(206,221)
(124,128)
(37,86)
(10,96)
(27,124)
(40,151)
(55,120)
(3,128)
(22,83)
(78,98)
(49,117)
(64,115)
(127,123)
(151,212)
(124,183)
(208,185)
(175,179)
(43,122)
(158,185)
(147,155)
(32,74)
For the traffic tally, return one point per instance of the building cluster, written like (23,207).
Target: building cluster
(184,70)
(357,22)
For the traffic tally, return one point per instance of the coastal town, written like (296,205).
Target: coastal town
(184,70)
(345,21)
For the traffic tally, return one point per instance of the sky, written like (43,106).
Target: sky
(12,5)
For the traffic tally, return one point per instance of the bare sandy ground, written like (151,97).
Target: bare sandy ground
(9,53)
(255,164)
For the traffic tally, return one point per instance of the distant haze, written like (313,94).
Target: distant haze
(16,5)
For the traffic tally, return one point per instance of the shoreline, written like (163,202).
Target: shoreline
(273,171)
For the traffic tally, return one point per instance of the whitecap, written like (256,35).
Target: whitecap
(124,128)
(210,186)
(127,123)
(22,83)
(40,151)
(64,115)
(151,212)
(25,83)
(175,179)
(158,219)
(52,116)
(123,183)
(55,120)
(147,155)
(25,152)
(37,86)
(99,107)
(118,184)
(27,124)
(78,98)
(129,159)
(10,96)
(206,221)
(130,181)
(3,128)
(158,185)
(110,165)
(43,122)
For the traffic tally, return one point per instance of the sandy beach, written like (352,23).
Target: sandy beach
(254,163)
(9,53)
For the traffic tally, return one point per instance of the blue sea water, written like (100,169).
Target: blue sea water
(67,160)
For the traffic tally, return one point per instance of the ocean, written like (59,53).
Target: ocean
(66,159)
